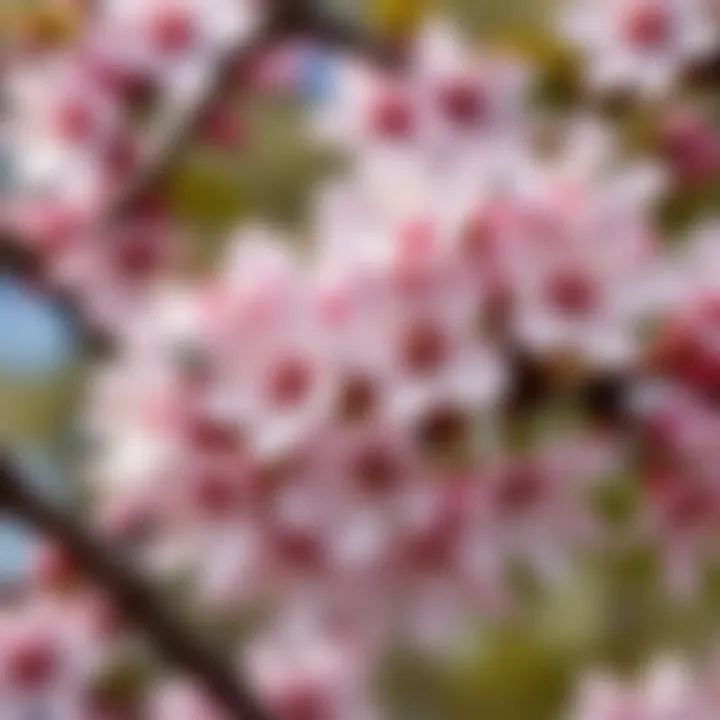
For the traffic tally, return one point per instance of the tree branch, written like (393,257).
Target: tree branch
(287,19)
(131,592)
(290,18)
(126,586)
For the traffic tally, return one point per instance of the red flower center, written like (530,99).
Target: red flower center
(173,31)
(299,547)
(358,397)
(32,662)
(75,121)
(689,507)
(290,382)
(392,117)
(647,25)
(443,430)
(136,256)
(215,494)
(572,293)
(121,156)
(209,434)
(520,489)
(424,348)
(376,469)
(463,101)
(302,702)
(478,238)
(431,548)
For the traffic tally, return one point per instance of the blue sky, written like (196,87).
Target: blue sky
(36,342)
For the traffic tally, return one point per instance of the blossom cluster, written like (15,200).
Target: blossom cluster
(62,645)
(327,439)
(669,688)
(84,121)
(644,45)
(295,430)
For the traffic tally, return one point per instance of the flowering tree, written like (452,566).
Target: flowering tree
(488,368)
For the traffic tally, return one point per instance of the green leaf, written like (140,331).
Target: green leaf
(203,192)
(123,683)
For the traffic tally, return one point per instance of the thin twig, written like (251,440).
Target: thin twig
(128,589)
(290,18)
(287,19)
(132,594)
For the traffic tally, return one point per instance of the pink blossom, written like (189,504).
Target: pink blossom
(668,690)
(638,44)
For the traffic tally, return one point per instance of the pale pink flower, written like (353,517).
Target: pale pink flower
(669,690)
(638,44)
(537,509)
(180,700)
(302,671)
(175,41)
(50,654)
(580,259)
(680,505)
(453,105)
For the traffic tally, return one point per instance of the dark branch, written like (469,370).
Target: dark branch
(290,18)
(304,18)
(133,596)
(287,19)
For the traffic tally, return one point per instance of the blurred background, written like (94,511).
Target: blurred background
(609,614)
